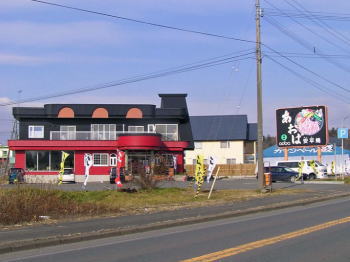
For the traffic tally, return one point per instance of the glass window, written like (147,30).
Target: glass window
(48,160)
(35,131)
(101,159)
(31,160)
(169,132)
(198,145)
(231,161)
(136,129)
(43,160)
(67,132)
(55,160)
(103,131)
(113,160)
(225,144)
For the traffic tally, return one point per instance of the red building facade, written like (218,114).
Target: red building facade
(144,132)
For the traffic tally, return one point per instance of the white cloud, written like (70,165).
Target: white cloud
(44,34)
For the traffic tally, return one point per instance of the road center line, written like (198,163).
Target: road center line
(265,242)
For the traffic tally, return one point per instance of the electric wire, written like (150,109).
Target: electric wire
(307,45)
(312,82)
(190,31)
(341,17)
(310,30)
(320,23)
(138,78)
(145,22)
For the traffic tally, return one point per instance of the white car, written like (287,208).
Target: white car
(319,172)
(68,175)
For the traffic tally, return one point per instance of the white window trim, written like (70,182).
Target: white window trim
(100,159)
(114,158)
(32,134)
(166,132)
(151,128)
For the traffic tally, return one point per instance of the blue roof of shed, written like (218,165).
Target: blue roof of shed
(222,128)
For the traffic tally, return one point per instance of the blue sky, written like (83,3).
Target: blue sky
(46,49)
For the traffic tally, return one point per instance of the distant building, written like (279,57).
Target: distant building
(228,138)
(4,154)
(143,131)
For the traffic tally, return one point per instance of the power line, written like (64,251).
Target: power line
(145,22)
(157,74)
(319,15)
(308,29)
(312,82)
(320,23)
(308,70)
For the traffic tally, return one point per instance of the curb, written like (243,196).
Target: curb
(65,239)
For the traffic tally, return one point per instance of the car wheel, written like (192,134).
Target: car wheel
(312,176)
(292,179)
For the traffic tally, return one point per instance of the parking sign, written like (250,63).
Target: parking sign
(343,133)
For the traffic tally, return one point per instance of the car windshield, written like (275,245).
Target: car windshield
(318,163)
(289,169)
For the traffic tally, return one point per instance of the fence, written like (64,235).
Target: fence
(228,170)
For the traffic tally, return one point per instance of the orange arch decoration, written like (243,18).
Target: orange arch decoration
(134,113)
(66,112)
(100,113)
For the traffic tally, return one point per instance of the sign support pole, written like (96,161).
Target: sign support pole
(286,154)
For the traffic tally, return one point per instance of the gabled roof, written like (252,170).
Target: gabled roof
(222,128)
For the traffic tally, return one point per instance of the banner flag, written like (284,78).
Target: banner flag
(61,172)
(88,164)
(211,167)
(199,173)
(120,164)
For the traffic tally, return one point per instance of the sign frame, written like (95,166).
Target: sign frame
(325,127)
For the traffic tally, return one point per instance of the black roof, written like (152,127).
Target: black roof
(222,128)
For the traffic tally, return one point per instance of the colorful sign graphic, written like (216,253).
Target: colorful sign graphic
(302,126)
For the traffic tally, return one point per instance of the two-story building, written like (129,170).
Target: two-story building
(144,132)
(228,138)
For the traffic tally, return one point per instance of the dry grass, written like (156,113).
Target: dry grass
(24,204)
(28,204)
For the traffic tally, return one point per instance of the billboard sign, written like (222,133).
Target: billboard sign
(302,126)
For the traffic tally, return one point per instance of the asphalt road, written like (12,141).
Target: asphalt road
(318,232)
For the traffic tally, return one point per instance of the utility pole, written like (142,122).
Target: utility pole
(259,98)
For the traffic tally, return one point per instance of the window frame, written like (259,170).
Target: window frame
(227,143)
(228,160)
(113,158)
(100,154)
(33,134)
(136,131)
(165,135)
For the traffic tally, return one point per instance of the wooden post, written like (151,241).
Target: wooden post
(319,154)
(286,154)
(212,186)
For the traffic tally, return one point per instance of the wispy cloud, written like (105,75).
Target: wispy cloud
(55,34)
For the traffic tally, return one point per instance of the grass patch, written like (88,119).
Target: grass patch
(25,204)
(347,180)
